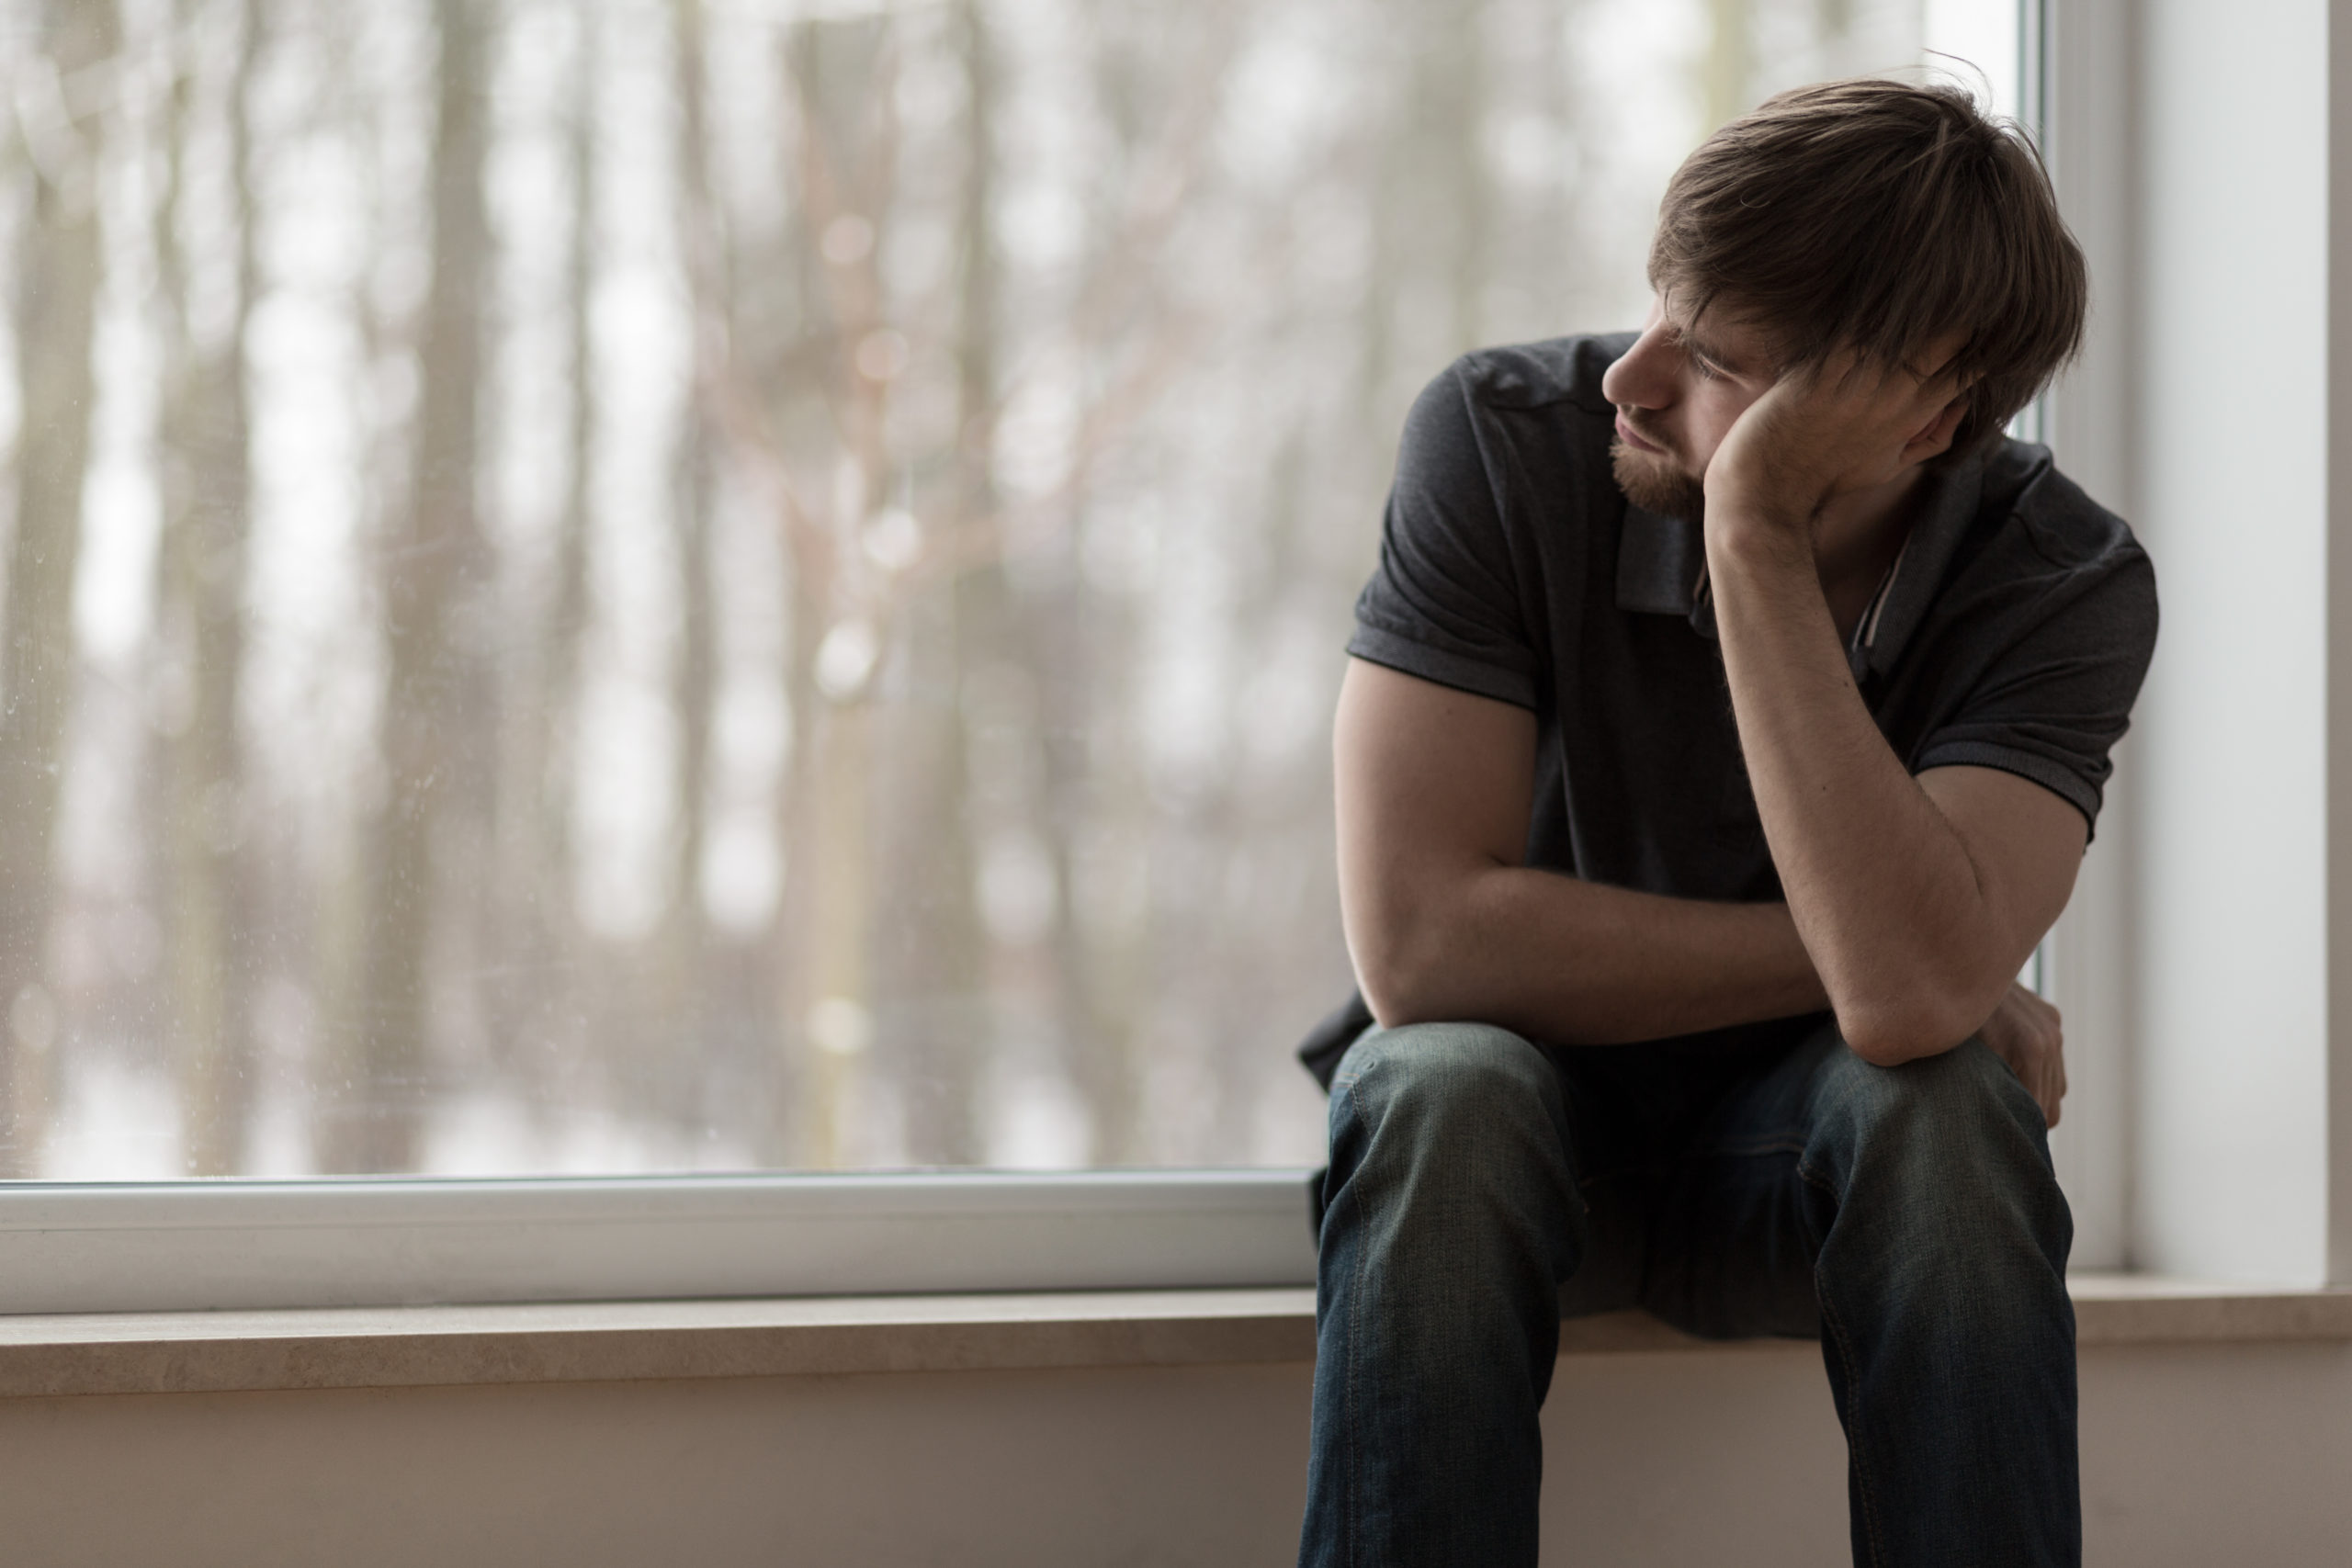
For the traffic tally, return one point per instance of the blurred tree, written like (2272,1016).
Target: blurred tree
(204,436)
(64,127)
(930,948)
(686,974)
(542,1011)
(840,82)
(377,1127)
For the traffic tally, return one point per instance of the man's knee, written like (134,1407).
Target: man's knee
(1445,1072)
(1950,1147)
(1462,1097)
(1450,1141)
(1963,1096)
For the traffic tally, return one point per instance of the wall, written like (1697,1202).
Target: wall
(2191,145)
(2193,1456)
(2232,491)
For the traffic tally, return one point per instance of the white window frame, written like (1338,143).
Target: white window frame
(159,1246)
(2203,156)
(2074,98)
(366,1242)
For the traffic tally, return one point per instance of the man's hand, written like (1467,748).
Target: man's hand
(1826,430)
(2024,1032)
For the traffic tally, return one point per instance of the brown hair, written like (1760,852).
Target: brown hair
(1880,216)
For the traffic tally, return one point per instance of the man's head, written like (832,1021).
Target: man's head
(1892,219)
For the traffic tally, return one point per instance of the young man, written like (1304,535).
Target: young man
(1727,717)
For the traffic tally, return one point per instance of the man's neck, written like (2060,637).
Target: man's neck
(1857,538)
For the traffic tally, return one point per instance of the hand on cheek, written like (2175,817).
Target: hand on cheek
(1823,431)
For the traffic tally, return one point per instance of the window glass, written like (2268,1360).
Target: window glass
(687,584)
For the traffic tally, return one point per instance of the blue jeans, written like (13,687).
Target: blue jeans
(1482,1187)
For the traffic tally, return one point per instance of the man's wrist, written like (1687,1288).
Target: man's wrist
(1752,541)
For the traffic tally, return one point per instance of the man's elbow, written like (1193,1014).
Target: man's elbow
(1395,990)
(1900,1010)
(1401,974)
(1887,1034)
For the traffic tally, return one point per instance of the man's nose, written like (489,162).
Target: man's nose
(1644,375)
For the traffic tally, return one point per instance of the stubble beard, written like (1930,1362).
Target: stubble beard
(1655,482)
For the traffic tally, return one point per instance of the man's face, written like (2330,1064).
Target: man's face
(1677,391)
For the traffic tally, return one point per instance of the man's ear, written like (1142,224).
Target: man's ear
(1933,439)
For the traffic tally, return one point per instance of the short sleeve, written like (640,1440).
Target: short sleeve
(2055,697)
(1444,604)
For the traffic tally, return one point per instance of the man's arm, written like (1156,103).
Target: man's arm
(1443,921)
(1918,899)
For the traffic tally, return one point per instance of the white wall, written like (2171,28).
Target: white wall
(2192,1456)
(2190,144)
(2203,411)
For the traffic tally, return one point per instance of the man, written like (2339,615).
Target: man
(1727,719)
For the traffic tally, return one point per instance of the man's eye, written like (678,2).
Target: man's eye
(1706,371)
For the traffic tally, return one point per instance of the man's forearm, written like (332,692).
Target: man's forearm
(1880,886)
(1581,964)
(1444,921)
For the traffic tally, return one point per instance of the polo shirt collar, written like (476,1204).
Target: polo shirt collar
(1947,503)
(1662,569)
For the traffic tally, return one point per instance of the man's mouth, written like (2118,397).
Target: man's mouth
(1631,437)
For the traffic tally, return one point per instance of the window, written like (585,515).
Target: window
(722,584)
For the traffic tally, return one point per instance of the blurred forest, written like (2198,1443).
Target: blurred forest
(675,584)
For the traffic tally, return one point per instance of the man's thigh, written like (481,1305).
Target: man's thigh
(1632,1111)
(1685,1168)
(1734,1219)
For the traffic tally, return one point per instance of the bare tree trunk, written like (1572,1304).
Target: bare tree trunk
(378,1131)
(695,678)
(824,920)
(849,146)
(931,950)
(1077,644)
(206,504)
(798,824)
(1096,973)
(568,613)
(55,313)
(1260,822)
(538,875)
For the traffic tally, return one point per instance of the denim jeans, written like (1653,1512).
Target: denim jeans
(1482,1187)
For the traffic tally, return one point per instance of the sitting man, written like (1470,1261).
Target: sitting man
(1727,719)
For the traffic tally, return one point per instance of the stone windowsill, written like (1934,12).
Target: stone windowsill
(596,1342)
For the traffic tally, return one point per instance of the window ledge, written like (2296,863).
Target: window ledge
(205,1352)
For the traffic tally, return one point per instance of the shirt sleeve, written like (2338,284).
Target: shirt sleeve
(1443,602)
(2055,699)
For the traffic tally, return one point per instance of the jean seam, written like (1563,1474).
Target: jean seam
(1838,1337)
(1355,1334)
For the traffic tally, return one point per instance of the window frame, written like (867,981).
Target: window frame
(2072,99)
(356,1242)
(164,1246)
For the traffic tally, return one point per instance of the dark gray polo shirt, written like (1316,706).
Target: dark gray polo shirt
(2011,632)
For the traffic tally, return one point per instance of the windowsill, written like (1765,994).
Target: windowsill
(600,1342)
